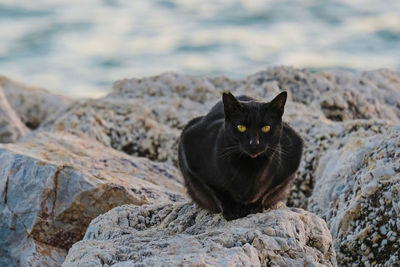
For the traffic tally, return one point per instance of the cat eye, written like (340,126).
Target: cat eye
(241,128)
(266,129)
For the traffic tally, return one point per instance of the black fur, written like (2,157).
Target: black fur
(224,171)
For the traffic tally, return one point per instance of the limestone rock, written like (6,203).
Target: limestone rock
(357,191)
(32,104)
(176,98)
(30,252)
(183,235)
(11,127)
(341,95)
(53,185)
(332,183)
(344,118)
(123,124)
(319,136)
(144,117)
(362,95)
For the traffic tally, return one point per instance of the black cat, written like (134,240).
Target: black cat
(240,158)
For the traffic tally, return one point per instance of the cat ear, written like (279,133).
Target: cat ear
(278,103)
(230,103)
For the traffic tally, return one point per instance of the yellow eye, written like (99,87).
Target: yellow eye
(241,128)
(265,129)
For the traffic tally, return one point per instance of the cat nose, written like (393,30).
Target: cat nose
(254,142)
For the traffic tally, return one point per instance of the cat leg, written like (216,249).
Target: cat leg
(232,210)
(241,211)
(202,194)
(278,193)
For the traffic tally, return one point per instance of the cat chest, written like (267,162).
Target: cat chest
(251,186)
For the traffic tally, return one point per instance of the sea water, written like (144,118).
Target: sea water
(79,48)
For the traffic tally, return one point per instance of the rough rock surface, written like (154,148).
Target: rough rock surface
(11,127)
(144,116)
(183,235)
(32,104)
(319,136)
(348,175)
(341,95)
(122,124)
(52,186)
(357,192)
(349,103)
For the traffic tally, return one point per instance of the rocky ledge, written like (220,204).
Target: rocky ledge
(183,235)
(53,185)
(77,159)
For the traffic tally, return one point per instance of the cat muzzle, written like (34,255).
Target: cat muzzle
(255,151)
(257,154)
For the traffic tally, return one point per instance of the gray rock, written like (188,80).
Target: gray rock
(52,186)
(123,124)
(319,136)
(11,127)
(32,104)
(342,95)
(183,235)
(348,175)
(144,117)
(357,191)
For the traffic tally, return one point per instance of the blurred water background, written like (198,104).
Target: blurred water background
(79,48)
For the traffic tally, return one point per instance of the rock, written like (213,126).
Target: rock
(344,118)
(32,104)
(319,136)
(363,95)
(53,185)
(144,117)
(123,124)
(357,191)
(341,95)
(11,127)
(183,235)
(30,252)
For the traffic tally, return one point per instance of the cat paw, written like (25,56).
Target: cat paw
(242,211)
(232,216)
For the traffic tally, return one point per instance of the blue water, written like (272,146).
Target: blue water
(79,48)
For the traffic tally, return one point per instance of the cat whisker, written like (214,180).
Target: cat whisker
(285,152)
(229,151)
(274,149)
(281,150)
(225,155)
(277,159)
(276,153)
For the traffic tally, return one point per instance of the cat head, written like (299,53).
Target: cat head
(255,126)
